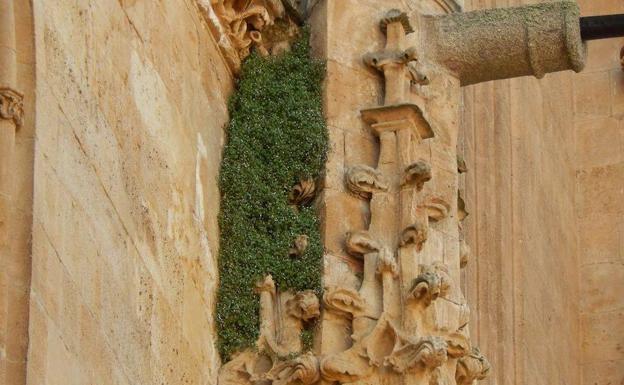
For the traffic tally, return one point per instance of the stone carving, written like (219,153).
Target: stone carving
(464,253)
(299,246)
(11,106)
(406,323)
(363,181)
(277,358)
(361,243)
(417,174)
(343,301)
(415,234)
(437,208)
(432,282)
(461,164)
(303,370)
(472,367)
(622,58)
(244,22)
(302,193)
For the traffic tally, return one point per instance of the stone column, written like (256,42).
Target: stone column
(12,357)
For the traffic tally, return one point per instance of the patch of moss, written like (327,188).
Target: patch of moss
(276,136)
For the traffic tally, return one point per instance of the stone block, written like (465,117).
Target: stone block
(603,337)
(602,285)
(599,142)
(597,192)
(592,95)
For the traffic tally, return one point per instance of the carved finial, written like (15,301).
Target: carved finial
(303,192)
(11,106)
(472,367)
(299,246)
(304,306)
(396,16)
(415,234)
(363,180)
(360,242)
(417,174)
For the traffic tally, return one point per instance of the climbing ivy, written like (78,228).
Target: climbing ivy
(276,137)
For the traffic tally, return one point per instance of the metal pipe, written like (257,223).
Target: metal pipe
(602,27)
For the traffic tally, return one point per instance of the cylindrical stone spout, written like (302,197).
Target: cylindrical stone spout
(508,42)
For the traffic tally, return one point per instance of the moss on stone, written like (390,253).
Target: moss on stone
(276,136)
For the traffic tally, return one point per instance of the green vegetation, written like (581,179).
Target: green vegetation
(276,137)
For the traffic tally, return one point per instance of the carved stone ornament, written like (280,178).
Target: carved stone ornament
(472,367)
(343,301)
(302,193)
(415,234)
(417,174)
(464,253)
(407,321)
(432,282)
(437,208)
(360,243)
(244,23)
(11,106)
(363,180)
(299,246)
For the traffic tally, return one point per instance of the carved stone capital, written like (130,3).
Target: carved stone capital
(11,106)
(363,181)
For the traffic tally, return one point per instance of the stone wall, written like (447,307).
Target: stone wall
(523,282)
(131,109)
(599,126)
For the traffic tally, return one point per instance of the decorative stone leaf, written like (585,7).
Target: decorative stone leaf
(387,263)
(429,352)
(302,193)
(472,367)
(458,345)
(415,234)
(363,180)
(303,370)
(432,282)
(347,367)
(299,246)
(417,174)
(304,306)
(437,208)
(343,301)
(360,242)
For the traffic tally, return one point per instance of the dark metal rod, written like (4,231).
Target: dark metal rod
(602,27)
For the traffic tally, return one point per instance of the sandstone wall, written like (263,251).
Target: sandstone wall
(523,282)
(599,126)
(131,108)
